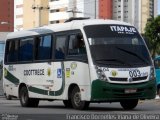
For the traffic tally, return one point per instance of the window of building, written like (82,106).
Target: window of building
(43,47)
(53,0)
(54,22)
(26,49)
(19,16)
(60,47)
(12,51)
(19,6)
(55,10)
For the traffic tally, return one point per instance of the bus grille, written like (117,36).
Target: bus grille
(118,79)
(126,79)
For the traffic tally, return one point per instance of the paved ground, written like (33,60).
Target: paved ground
(56,111)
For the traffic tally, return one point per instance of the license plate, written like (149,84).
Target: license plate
(130,90)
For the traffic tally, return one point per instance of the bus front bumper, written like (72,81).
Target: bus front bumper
(104,91)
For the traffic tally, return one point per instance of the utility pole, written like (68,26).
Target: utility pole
(74,8)
(74,12)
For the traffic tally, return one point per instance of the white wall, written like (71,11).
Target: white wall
(3,35)
(18,11)
(57,5)
(82,8)
(133,16)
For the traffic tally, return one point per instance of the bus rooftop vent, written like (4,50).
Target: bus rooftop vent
(74,18)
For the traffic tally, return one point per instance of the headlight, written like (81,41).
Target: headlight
(100,74)
(152,73)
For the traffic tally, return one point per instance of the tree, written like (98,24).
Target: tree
(152,34)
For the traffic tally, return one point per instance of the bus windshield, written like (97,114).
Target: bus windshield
(117,46)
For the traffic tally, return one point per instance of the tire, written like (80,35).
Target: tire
(8,97)
(67,103)
(76,100)
(129,104)
(25,100)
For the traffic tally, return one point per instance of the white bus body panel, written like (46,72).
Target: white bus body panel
(49,80)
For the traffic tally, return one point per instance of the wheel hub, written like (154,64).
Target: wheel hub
(77,99)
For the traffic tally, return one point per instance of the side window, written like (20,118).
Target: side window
(76,45)
(60,47)
(12,51)
(43,47)
(26,49)
(157,64)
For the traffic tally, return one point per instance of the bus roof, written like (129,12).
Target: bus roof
(76,24)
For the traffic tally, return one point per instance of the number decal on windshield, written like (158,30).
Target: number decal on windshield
(134,73)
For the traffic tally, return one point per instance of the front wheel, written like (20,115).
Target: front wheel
(25,100)
(129,104)
(77,103)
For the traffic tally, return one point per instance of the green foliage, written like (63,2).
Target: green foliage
(152,34)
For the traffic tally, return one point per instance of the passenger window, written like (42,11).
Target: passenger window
(157,64)
(60,47)
(43,47)
(76,45)
(26,49)
(12,51)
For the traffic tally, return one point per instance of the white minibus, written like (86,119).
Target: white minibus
(79,62)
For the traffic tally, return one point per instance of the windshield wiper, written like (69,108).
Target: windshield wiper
(134,54)
(114,60)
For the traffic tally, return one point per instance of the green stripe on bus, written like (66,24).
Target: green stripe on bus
(60,91)
(102,90)
(45,92)
(10,77)
(38,90)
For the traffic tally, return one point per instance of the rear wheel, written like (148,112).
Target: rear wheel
(77,103)
(129,104)
(25,100)
(67,103)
